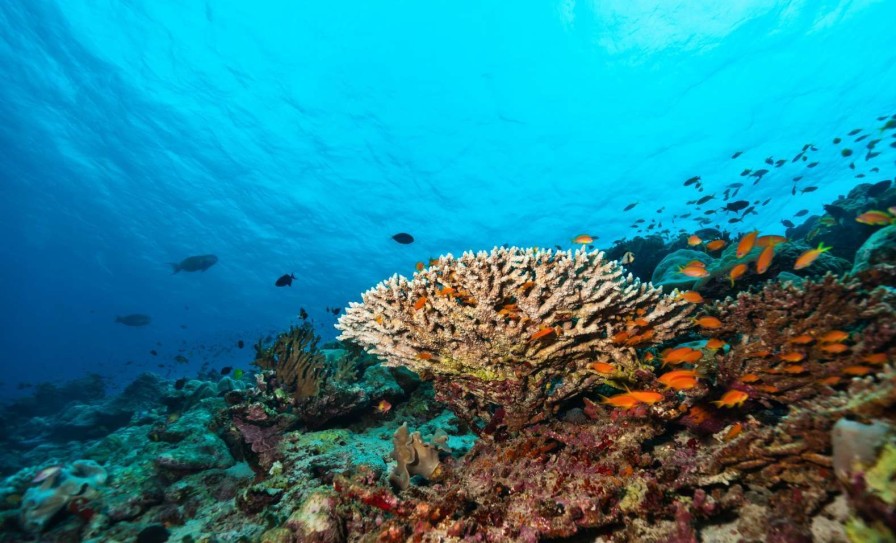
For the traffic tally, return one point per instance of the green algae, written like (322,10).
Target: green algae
(881,478)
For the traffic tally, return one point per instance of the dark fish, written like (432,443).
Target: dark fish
(134,320)
(154,352)
(780,163)
(871,155)
(860,138)
(195,263)
(240,344)
(183,326)
(874,169)
(692,180)
(403,238)
(303,314)
(335,310)
(745,172)
(179,384)
(769,160)
(808,189)
(737,154)
(801,212)
(860,176)
(767,200)
(181,359)
(285,280)
(747,211)
(878,188)
(852,165)
(787,223)
(793,190)
(558,247)
(797,178)
(705,199)
(736,205)
(760,173)
(797,157)
(872,143)
(630,206)
(837,140)
(854,131)
(846,152)
(225,370)
(734,220)
(812,164)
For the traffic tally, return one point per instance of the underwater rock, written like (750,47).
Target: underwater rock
(879,250)
(315,520)
(856,445)
(58,489)
(666,274)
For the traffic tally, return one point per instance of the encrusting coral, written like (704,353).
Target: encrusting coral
(508,335)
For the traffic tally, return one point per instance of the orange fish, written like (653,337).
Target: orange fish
(379,319)
(649,357)
(856,370)
(698,263)
(602,367)
(770,389)
(834,336)
(447,291)
(875,218)
(420,266)
(584,239)
(693,271)
(830,381)
(770,241)
(732,398)
(795,369)
(421,301)
(792,356)
(736,272)
(746,244)
(384,406)
(803,339)
(716,244)
(670,376)
(694,241)
(527,285)
(765,259)
(749,378)
(834,348)
(709,322)
(691,296)
(715,344)
(682,383)
(625,401)
(875,358)
(620,337)
(544,332)
(641,322)
(808,257)
(424,356)
(681,355)
(646,396)
(734,431)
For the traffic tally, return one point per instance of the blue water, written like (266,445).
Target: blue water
(299,136)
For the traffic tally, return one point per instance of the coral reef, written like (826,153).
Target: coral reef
(414,457)
(509,335)
(57,487)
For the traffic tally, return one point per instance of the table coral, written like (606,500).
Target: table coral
(508,335)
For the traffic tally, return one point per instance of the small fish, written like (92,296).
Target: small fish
(285,280)
(181,359)
(693,271)
(732,398)
(834,348)
(670,376)
(194,263)
(542,333)
(834,336)
(46,473)
(736,272)
(788,224)
(779,163)
(878,359)
(801,213)
(765,259)
(225,370)
(692,180)
(854,131)
(737,154)
(705,199)
(715,344)
(383,406)
(793,356)
(421,301)
(716,244)
(830,381)
(846,152)
(875,217)
(628,258)
(681,355)
(303,314)
(691,296)
(745,172)
(749,378)
(240,344)
(238,374)
(709,322)
(424,356)
(630,206)
(808,257)
(694,240)
(733,432)
(602,367)
(583,239)
(154,352)
(625,401)
(403,238)
(646,396)
(746,244)
(808,189)
(802,339)
(836,141)
(135,319)
(812,164)
(769,160)
(770,240)
(856,371)
(736,205)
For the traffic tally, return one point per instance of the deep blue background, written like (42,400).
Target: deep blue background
(299,136)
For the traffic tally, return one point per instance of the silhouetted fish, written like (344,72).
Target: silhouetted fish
(303,314)
(801,212)
(154,352)
(737,154)
(692,180)
(225,370)
(854,131)
(809,189)
(285,280)
(736,205)
(403,238)
(195,263)
(134,320)
(787,224)
(240,344)
(630,206)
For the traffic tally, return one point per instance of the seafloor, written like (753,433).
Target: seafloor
(747,395)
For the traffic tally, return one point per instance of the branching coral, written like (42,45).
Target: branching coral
(296,361)
(509,334)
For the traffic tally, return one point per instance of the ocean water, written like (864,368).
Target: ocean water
(297,137)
